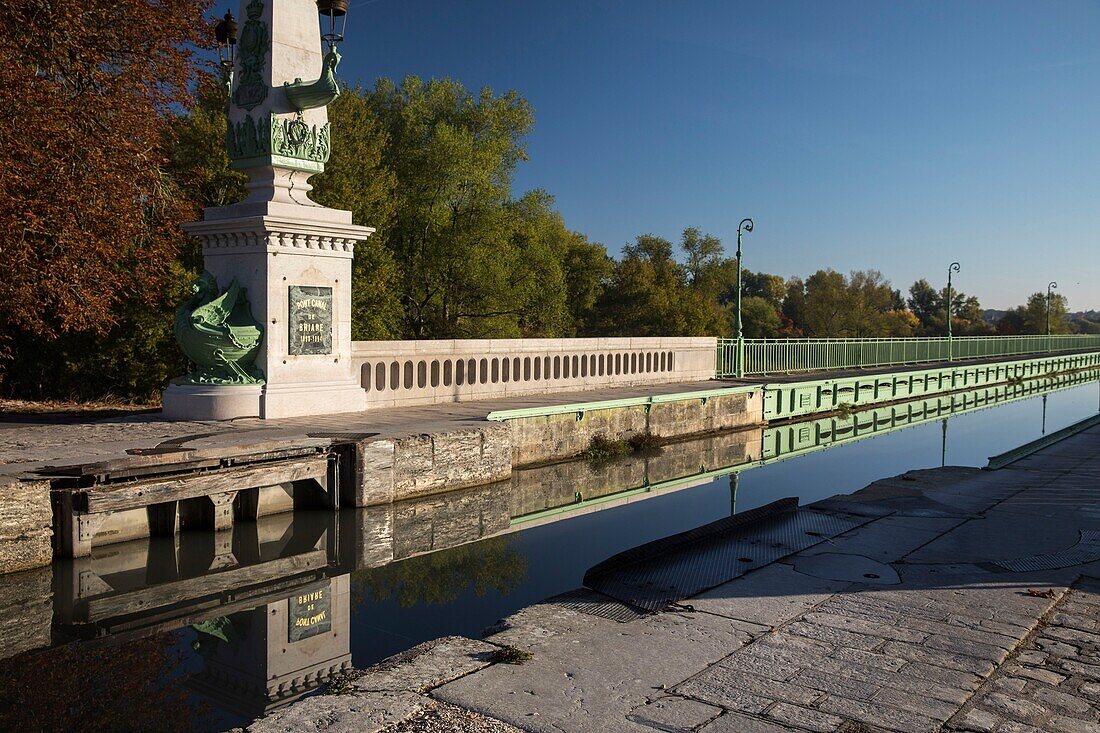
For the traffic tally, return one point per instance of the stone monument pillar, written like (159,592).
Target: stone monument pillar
(269,327)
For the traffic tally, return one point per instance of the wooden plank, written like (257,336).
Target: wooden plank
(154,461)
(116,497)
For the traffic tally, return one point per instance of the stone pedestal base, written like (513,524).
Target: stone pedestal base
(316,398)
(191,402)
(198,402)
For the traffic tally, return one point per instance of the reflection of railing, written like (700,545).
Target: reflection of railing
(782,442)
(786,400)
(794,439)
(779,356)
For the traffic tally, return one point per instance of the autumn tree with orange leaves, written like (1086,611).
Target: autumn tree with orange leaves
(88,216)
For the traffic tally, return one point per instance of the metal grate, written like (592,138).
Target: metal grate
(597,604)
(655,575)
(1085,551)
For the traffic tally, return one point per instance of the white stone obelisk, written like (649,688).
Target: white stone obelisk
(292,255)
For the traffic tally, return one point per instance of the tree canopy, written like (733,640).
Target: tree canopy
(87,215)
(90,218)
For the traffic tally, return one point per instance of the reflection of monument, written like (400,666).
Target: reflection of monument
(269,328)
(269,656)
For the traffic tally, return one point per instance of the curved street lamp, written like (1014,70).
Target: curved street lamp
(953,267)
(744,226)
(1051,286)
(225,31)
(337,13)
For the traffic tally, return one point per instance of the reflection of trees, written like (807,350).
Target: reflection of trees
(135,686)
(440,577)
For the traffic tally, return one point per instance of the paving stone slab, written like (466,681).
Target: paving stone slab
(768,596)
(593,678)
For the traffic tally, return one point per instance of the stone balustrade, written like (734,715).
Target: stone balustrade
(394,373)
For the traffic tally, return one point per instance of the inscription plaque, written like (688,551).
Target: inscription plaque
(310,320)
(310,613)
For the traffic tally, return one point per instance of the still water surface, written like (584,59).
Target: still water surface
(173,657)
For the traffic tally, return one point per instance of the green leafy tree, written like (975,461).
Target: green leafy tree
(648,295)
(859,306)
(356,180)
(704,251)
(1031,318)
(759,318)
(588,269)
(465,268)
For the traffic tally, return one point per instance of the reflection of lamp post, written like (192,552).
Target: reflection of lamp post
(1044,414)
(745,225)
(735,478)
(954,267)
(943,444)
(1052,286)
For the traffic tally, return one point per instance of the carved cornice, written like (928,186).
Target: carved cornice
(289,240)
(276,235)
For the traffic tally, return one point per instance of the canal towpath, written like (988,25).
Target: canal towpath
(967,601)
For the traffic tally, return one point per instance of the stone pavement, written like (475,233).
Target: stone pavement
(968,604)
(29,442)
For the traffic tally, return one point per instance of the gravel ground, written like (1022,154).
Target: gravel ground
(444,718)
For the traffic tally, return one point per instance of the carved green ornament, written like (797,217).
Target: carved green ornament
(219,334)
(254,43)
(281,141)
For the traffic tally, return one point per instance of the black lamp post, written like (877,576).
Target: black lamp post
(337,13)
(225,30)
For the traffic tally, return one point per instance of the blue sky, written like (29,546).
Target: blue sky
(886,135)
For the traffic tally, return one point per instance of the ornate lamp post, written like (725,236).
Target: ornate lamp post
(744,226)
(1051,286)
(269,325)
(337,13)
(225,30)
(953,267)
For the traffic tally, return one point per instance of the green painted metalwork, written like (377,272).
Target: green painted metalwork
(953,267)
(580,408)
(281,141)
(783,401)
(745,225)
(219,334)
(807,436)
(791,356)
(293,138)
(1025,450)
(790,440)
(254,43)
(319,93)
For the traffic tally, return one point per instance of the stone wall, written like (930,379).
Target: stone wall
(554,437)
(26,611)
(420,465)
(417,465)
(394,373)
(26,525)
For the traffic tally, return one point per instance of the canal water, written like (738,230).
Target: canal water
(207,632)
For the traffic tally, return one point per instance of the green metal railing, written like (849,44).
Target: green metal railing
(788,356)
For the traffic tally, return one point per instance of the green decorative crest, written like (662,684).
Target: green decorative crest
(219,334)
(282,141)
(246,139)
(253,48)
(295,139)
